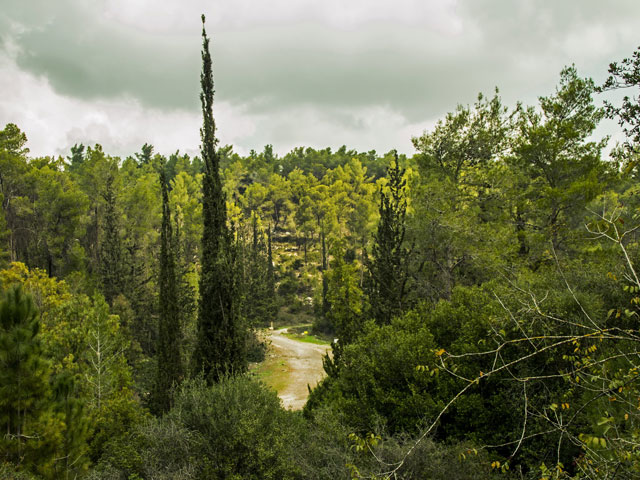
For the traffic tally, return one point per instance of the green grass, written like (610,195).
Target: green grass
(273,371)
(296,332)
(308,338)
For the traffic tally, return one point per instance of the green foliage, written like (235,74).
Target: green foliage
(11,472)
(560,162)
(4,234)
(344,298)
(235,428)
(111,252)
(169,372)
(87,398)
(625,74)
(220,347)
(378,387)
(459,227)
(506,326)
(24,384)
(388,267)
(259,302)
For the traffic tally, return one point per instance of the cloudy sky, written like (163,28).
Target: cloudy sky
(366,73)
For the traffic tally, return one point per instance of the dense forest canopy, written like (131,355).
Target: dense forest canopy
(483,295)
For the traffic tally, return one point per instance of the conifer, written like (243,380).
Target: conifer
(387,269)
(24,375)
(169,371)
(111,264)
(220,345)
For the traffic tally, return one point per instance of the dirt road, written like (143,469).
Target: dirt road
(305,367)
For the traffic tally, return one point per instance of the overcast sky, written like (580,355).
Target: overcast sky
(366,73)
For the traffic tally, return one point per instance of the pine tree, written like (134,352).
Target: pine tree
(72,455)
(76,159)
(169,370)
(388,274)
(146,152)
(220,346)
(24,376)
(260,300)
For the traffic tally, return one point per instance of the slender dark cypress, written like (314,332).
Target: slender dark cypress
(220,344)
(271,280)
(388,274)
(111,266)
(169,371)
(270,274)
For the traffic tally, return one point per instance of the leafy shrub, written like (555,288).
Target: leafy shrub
(236,429)
(378,386)
(322,325)
(11,472)
(288,286)
(256,348)
(429,460)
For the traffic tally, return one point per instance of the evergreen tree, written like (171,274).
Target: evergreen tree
(220,344)
(24,376)
(344,300)
(72,455)
(4,234)
(186,291)
(270,273)
(258,302)
(271,280)
(169,363)
(325,285)
(388,267)
(146,152)
(76,159)
(111,265)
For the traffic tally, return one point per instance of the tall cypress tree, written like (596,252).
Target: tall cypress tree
(169,363)
(271,280)
(111,265)
(220,345)
(388,267)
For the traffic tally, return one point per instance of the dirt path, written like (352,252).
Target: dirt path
(305,367)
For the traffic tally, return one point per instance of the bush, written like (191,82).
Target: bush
(9,471)
(377,387)
(288,287)
(322,325)
(328,452)
(256,347)
(430,460)
(236,429)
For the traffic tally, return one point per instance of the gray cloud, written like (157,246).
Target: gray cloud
(328,62)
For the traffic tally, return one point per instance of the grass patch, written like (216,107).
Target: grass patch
(301,333)
(274,372)
(307,338)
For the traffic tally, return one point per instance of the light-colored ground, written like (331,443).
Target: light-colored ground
(303,367)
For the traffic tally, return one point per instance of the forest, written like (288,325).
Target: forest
(482,297)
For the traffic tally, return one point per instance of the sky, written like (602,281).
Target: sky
(369,74)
